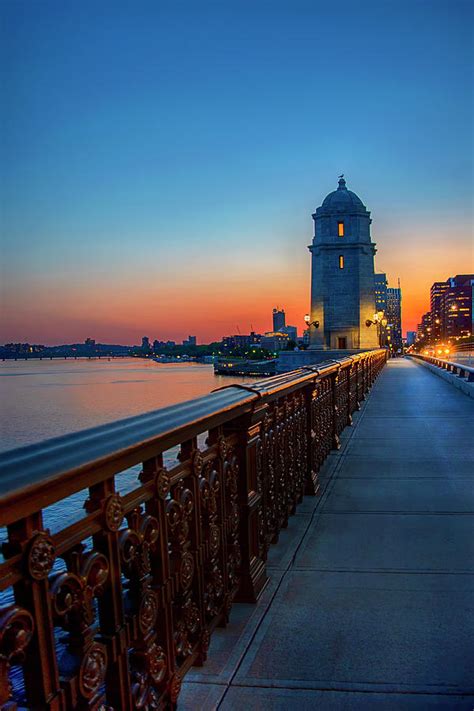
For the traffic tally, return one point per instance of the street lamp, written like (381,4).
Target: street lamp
(380,322)
(309,323)
(379,318)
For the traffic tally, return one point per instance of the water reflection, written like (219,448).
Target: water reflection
(43,399)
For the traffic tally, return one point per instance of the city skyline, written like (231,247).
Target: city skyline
(161,164)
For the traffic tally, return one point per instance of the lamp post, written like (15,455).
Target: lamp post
(309,323)
(380,322)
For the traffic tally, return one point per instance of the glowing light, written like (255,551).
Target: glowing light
(340,229)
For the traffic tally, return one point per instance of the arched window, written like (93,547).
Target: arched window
(340,229)
(341,261)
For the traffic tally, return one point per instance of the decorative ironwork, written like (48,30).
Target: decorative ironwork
(140,582)
(40,556)
(16,631)
(113,512)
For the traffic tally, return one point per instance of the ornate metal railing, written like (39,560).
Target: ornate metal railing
(111,610)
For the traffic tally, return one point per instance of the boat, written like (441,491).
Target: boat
(229,366)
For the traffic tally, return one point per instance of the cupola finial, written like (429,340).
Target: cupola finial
(342,183)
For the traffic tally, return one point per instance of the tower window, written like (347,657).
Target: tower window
(341,261)
(340,229)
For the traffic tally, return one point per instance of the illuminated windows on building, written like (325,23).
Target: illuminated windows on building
(340,229)
(341,261)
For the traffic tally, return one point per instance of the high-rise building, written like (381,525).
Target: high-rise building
(411,337)
(451,310)
(456,307)
(145,344)
(423,332)
(393,315)
(381,292)
(437,292)
(342,274)
(278,319)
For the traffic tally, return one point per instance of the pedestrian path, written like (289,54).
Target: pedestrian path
(370,603)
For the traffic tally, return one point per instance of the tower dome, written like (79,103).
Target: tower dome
(341,200)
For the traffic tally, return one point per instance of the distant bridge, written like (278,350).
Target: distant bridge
(367,600)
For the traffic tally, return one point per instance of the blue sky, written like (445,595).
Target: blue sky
(152,143)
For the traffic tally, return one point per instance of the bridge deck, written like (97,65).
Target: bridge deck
(371,599)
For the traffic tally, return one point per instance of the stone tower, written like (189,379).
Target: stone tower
(342,274)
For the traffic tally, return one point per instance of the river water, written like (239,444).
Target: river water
(42,399)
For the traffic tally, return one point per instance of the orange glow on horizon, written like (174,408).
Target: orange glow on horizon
(209,300)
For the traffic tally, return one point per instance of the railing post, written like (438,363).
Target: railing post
(335,443)
(312,479)
(32,593)
(253,576)
(349,392)
(110,604)
(357,378)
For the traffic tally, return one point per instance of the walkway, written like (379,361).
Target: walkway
(371,598)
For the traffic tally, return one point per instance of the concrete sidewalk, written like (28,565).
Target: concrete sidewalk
(371,598)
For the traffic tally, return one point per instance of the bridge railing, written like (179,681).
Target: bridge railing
(110,611)
(460,369)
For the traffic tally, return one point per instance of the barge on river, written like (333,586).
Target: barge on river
(228,366)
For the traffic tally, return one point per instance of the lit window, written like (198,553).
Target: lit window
(340,229)
(341,261)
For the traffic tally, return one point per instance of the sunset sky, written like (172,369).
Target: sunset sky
(161,160)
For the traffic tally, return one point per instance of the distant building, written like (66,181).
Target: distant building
(191,341)
(393,314)
(291,331)
(450,315)
(274,341)
(437,291)
(456,307)
(381,284)
(89,342)
(423,332)
(279,319)
(145,344)
(241,340)
(411,337)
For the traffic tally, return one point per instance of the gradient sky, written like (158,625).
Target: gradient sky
(161,160)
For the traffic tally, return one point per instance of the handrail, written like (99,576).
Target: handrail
(458,368)
(35,470)
(141,580)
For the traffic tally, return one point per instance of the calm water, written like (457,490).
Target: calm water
(42,399)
